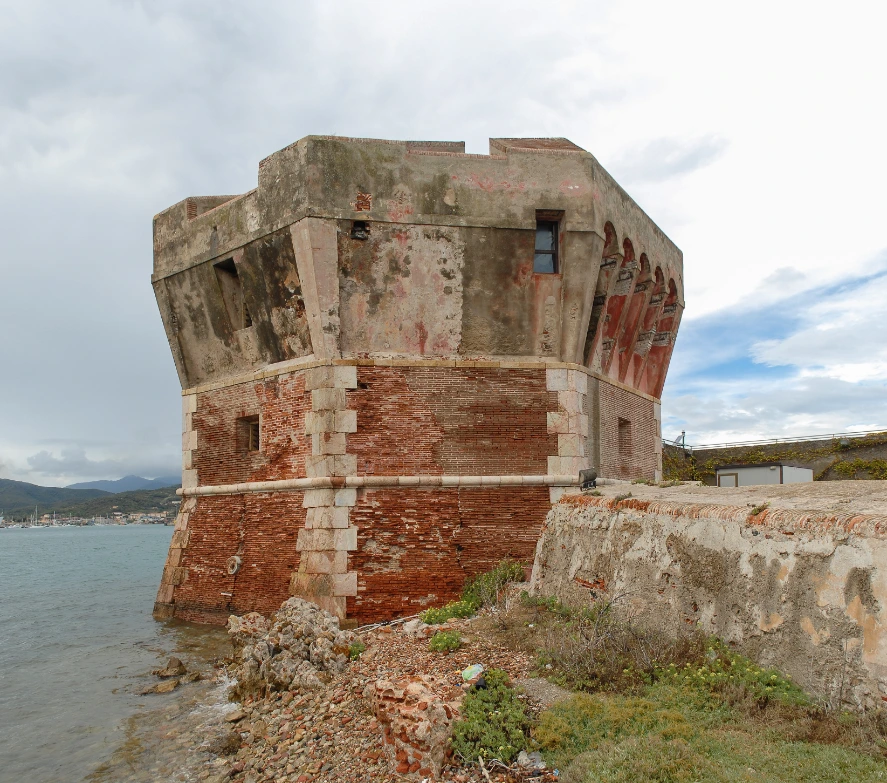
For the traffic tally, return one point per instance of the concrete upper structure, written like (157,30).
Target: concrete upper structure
(362,247)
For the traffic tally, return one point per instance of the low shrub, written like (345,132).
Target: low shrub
(448,612)
(445,641)
(493,721)
(355,649)
(593,648)
(551,604)
(484,589)
(724,671)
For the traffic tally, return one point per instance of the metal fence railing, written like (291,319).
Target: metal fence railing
(680,442)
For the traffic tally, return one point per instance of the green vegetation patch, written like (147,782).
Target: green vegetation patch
(483,590)
(872,468)
(493,721)
(448,612)
(679,734)
(355,649)
(727,672)
(445,641)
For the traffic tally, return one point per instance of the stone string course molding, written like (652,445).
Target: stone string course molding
(338,483)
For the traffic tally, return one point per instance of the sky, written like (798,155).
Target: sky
(751,133)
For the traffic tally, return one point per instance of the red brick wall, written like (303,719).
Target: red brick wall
(282,403)
(416,548)
(640,461)
(263,529)
(446,420)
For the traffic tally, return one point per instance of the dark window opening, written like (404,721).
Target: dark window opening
(545,258)
(624,443)
(232,294)
(249,434)
(360,229)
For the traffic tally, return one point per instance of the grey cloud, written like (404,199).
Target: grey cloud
(111,111)
(663,159)
(74,464)
(808,406)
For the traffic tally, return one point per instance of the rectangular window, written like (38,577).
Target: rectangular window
(624,443)
(232,294)
(249,434)
(545,258)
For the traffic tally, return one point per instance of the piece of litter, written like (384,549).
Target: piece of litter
(472,671)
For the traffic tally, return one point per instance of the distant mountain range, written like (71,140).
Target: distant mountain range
(129,483)
(18,499)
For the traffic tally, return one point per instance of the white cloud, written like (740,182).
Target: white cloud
(842,337)
(756,147)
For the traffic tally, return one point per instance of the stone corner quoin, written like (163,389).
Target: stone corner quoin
(394,356)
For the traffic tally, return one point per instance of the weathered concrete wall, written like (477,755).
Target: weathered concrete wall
(805,592)
(447,268)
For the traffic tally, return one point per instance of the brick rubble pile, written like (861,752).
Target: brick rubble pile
(417,720)
(383,718)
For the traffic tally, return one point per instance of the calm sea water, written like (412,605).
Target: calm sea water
(77,643)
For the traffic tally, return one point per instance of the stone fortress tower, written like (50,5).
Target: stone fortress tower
(394,356)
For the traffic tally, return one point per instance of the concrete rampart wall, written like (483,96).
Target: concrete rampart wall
(803,592)
(830,459)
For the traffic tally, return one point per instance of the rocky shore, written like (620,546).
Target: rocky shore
(320,704)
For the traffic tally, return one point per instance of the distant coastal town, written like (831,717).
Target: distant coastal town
(52,520)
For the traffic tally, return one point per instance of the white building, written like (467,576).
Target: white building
(765,473)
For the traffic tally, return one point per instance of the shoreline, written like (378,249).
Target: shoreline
(317,735)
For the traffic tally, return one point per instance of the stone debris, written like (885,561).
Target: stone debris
(416,714)
(174,668)
(167,686)
(297,649)
(336,732)
(415,627)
